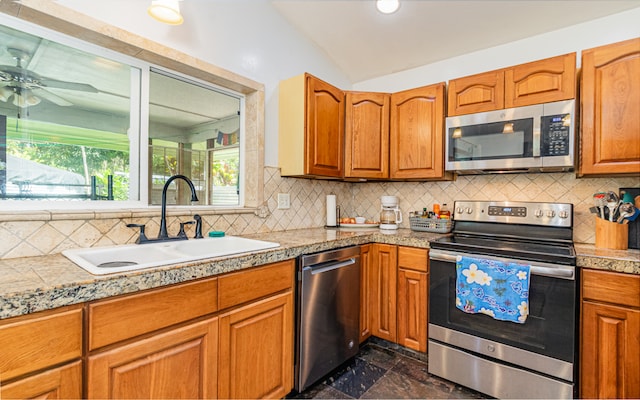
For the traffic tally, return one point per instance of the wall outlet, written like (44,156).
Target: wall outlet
(284,201)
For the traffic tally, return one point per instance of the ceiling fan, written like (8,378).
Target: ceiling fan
(27,87)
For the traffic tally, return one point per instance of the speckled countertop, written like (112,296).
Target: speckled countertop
(33,284)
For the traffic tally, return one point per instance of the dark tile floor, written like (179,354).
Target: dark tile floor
(383,370)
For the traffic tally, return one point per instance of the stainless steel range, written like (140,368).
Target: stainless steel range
(505,359)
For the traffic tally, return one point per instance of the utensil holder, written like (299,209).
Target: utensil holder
(611,235)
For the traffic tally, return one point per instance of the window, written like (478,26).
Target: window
(74,118)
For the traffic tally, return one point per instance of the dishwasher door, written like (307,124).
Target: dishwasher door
(328,313)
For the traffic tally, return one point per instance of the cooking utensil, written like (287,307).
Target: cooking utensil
(612,202)
(599,201)
(626,210)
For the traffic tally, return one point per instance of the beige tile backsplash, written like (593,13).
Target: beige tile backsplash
(32,234)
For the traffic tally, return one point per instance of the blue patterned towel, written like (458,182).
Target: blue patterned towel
(492,287)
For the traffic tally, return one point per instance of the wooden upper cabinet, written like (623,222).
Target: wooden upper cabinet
(610,117)
(367,135)
(417,133)
(544,81)
(311,131)
(476,93)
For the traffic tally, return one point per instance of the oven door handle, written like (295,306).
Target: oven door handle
(544,269)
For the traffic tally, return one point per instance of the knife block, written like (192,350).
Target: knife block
(611,235)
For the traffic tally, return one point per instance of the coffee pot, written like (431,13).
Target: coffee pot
(390,214)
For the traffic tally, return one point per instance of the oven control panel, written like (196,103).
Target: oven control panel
(515,212)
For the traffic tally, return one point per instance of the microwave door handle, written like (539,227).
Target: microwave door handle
(536,137)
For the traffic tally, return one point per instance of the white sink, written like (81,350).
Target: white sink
(131,257)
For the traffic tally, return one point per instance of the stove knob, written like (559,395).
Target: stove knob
(459,210)
(551,213)
(538,213)
(563,214)
(469,210)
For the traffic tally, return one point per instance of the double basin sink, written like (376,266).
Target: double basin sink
(124,258)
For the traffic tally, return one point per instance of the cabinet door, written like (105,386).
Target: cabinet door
(367,135)
(256,350)
(365,292)
(610,93)
(610,351)
(383,291)
(179,363)
(412,309)
(58,383)
(476,93)
(417,133)
(552,79)
(324,129)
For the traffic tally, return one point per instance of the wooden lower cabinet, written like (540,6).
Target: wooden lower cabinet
(365,292)
(256,350)
(178,363)
(57,383)
(383,291)
(610,336)
(40,354)
(398,285)
(412,297)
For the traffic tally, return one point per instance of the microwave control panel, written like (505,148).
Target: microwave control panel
(555,130)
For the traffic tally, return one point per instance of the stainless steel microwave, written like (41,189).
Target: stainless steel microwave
(523,139)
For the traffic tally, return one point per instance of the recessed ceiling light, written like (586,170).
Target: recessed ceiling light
(387,6)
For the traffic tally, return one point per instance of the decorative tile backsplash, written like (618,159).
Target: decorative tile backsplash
(34,235)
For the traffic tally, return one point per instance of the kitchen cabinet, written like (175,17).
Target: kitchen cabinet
(41,354)
(542,81)
(417,133)
(256,350)
(610,335)
(178,363)
(229,336)
(311,131)
(365,291)
(383,291)
(399,294)
(257,339)
(367,135)
(413,264)
(610,100)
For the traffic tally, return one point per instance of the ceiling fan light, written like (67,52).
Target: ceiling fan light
(387,6)
(167,11)
(5,93)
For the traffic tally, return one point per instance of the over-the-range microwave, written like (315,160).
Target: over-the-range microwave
(538,138)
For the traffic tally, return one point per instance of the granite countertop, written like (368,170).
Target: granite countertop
(33,284)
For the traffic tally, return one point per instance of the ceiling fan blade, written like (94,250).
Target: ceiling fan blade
(55,99)
(82,87)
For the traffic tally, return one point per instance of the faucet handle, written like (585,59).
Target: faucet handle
(182,233)
(198,220)
(142,238)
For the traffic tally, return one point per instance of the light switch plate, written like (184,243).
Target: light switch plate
(284,201)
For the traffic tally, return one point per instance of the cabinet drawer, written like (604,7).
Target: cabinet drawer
(611,287)
(113,320)
(240,287)
(40,340)
(58,383)
(413,258)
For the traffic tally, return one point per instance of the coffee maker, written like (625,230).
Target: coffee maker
(390,214)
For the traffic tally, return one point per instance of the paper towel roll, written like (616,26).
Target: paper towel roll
(331,210)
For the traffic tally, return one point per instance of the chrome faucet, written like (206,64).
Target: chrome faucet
(163,235)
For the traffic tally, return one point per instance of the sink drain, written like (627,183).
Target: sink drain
(115,264)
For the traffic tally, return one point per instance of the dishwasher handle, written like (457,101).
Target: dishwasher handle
(329,266)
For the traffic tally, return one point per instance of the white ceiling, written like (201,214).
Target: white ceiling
(366,44)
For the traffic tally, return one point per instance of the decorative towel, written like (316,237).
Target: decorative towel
(494,288)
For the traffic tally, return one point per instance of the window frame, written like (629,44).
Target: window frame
(139,117)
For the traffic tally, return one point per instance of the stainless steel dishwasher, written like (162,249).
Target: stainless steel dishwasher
(327,312)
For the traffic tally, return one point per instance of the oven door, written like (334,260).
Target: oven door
(550,328)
